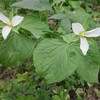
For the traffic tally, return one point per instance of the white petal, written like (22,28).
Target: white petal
(4,19)
(93,33)
(77,28)
(16,20)
(84,46)
(5,31)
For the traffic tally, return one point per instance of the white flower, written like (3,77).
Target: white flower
(79,30)
(14,22)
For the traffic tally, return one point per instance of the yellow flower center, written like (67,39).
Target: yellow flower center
(10,24)
(83,34)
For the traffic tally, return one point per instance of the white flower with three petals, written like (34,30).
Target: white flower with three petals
(79,30)
(14,22)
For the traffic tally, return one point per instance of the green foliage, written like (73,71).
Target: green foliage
(15,49)
(85,71)
(45,54)
(34,24)
(65,22)
(77,15)
(40,5)
(56,60)
(5,85)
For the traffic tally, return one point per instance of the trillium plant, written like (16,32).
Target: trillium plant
(79,30)
(55,59)
(9,24)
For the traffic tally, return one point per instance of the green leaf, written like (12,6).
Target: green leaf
(86,23)
(70,38)
(5,85)
(56,97)
(94,52)
(15,49)
(55,60)
(90,64)
(22,77)
(66,24)
(34,25)
(28,97)
(58,16)
(40,5)
(88,73)
(75,4)
(78,15)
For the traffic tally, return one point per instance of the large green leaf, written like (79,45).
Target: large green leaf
(40,5)
(88,72)
(15,49)
(33,24)
(55,60)
(89,65)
